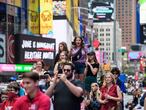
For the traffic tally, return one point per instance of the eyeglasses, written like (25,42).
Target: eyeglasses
(68,70)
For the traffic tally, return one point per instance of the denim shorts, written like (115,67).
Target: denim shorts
(79,67)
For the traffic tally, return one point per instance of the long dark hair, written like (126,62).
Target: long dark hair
(65,48)
(82,42)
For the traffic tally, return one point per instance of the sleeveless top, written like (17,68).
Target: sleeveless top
(112,92)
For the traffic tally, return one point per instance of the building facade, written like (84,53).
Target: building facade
(104,33)
(126,16)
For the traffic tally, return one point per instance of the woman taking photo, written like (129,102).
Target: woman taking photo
(92,67)
(110,93)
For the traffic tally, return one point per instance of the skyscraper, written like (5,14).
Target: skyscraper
(126,16)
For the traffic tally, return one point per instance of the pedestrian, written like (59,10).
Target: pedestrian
(94,98)
(78,56)
(35,99)
(66,90)
(116,72)
(39,68)
(62,47)
(58,66)
(12,94)
(110,93)
(91,70)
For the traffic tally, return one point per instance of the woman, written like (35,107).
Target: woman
(92,67)
(62,59)
(39,67)
(110,93)
(93,102)
(78,55)
(62,47)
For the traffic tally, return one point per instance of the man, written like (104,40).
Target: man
(66,90)
(116,72)
(35,99)
(12,94)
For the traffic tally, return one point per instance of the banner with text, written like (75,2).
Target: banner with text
(30,49)
(33,22)
(33,5)
(76,17)
(68,9)
(46,17)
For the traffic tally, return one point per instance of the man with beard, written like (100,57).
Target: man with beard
(66,90)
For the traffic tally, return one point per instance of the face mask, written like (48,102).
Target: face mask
(11,95)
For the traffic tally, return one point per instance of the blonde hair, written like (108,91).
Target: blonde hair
(112,76)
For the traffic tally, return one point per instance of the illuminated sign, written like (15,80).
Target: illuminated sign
(59,8)
(2,48)
(15,68)
(46,17)
(31,49)
(101,11)
(23,67)
(143,13)
(134,55)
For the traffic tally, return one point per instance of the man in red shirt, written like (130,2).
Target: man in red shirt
(35,99)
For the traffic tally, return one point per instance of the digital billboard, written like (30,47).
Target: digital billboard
(29,49)
(134,55)
(142,11)
(2,48)
(59,8)
(143,33)
(101,11)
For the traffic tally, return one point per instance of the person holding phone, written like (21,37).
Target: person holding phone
(66,90)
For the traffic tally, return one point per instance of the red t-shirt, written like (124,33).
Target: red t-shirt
(40,102)
(8,105)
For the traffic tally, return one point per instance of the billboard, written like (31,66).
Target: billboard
(33,22)
(30,49)
(2,48)
(33,5)
(76,17)
(134,55)
(46,17)
(143,33)
(142,11)
(101,11)
(68,9)
(59,8)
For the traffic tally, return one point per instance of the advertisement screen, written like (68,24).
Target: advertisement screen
(30,49)
(59,8)
(142,11)
(101,11)
(134,55)
(143,33)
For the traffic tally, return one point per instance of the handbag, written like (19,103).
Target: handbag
(77,55)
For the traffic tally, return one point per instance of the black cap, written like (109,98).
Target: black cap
(91,53)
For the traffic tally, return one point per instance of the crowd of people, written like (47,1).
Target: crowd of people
(73,85)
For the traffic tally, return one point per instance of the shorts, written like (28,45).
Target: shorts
(79,67)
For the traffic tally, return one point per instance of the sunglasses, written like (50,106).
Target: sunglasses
(68,70)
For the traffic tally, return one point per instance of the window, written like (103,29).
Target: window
(101,30)
(107,34)
(107,29)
